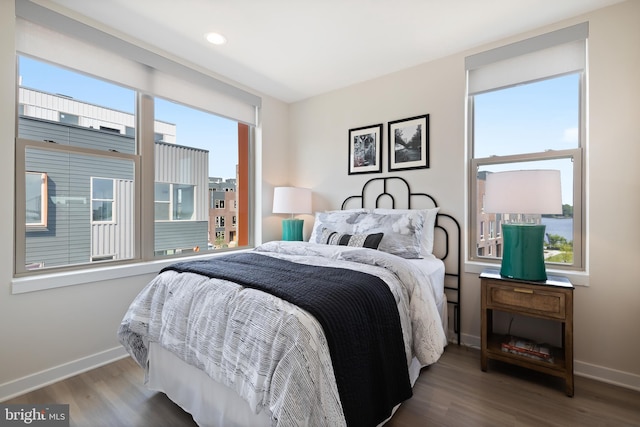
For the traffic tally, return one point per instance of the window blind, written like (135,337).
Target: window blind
(551,54)
(61,40)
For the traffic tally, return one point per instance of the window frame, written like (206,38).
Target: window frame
(173,204)
(156,202)
(546,56)
(176,193)
(44,203)
(576,155)
(64,118)
(112,201)
(22,144)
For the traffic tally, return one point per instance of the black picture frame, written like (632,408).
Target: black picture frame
(365,149)
(409,143)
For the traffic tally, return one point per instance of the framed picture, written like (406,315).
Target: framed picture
(409,143)
(365,149)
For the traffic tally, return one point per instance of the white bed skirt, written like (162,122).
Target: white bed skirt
(210,403)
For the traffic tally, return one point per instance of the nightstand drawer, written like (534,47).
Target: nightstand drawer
(526,299)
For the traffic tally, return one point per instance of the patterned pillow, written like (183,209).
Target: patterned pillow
(428,231)
(341,221)
(402,232)
(330,237)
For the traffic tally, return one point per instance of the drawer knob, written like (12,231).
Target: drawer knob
(523,290)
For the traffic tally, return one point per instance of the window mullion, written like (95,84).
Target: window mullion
(20,207)
(145,177)
(578,212)
(516,158)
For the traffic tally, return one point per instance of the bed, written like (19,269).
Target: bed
(333,331)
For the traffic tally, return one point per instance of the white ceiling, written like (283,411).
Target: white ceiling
(295,49)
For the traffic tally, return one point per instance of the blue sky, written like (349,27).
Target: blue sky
(528,118)
(194,128)
(534,117)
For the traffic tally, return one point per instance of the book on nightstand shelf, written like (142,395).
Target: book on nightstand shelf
(528,349)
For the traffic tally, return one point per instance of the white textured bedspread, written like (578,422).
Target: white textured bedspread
(273,354)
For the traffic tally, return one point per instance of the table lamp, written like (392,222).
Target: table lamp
(523,192)
(292,200)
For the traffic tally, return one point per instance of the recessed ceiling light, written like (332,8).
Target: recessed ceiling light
(216,38)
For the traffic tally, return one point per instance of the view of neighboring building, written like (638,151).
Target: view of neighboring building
(91,202)
(223,212)
(489,238)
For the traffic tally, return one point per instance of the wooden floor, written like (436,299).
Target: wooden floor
(453,392)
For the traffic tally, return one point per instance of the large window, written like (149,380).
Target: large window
(82,136)
(526,111)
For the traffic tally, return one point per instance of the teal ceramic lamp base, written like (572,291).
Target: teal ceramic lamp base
(292,229)
(523,252)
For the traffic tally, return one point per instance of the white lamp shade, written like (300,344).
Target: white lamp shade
(292,200)
(523,192)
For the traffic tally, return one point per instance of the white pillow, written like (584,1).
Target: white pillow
(428,231)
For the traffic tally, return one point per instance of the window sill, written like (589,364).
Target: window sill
(42,282)
(577,278)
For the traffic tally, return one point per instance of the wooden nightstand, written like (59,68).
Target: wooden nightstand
(551,300)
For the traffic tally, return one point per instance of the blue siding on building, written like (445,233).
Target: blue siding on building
(67,239)
(65,134)
(181,235)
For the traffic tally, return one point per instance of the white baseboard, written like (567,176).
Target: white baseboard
(581,369)
(40,379)
(607,375)
(465,340)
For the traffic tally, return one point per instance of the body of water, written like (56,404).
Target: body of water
(560,226)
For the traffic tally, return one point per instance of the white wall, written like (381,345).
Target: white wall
(275,163)
(608,311)
(48,334)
